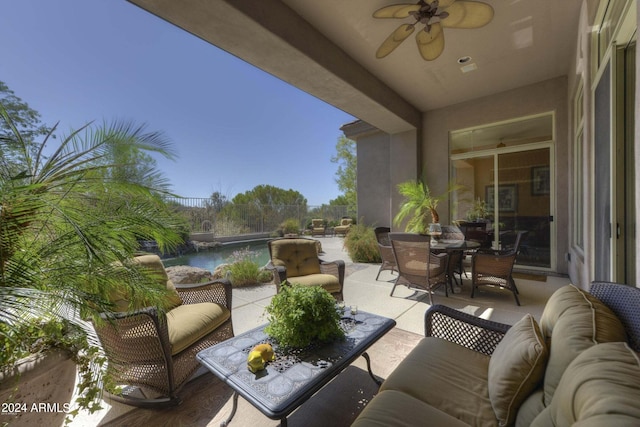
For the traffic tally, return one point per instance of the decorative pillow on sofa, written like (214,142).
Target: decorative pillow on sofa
(516,368)
(599,388)
(575,320)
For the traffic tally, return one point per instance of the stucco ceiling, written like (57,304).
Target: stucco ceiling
(327,48)
(526,42)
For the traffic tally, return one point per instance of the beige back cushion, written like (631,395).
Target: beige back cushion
(516,368)
(154,264)
(600,388)
(298,256)
(317,223)
(346,221)
(574,320)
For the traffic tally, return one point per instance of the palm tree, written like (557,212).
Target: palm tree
(419,206)
(71,218)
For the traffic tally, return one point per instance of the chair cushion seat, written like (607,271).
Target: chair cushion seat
(392,408)
(329,282)
(188,323)
(436,369)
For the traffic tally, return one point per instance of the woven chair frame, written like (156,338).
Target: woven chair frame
(417,266)
(464,329)
(387,257)
(139,353)
(624,301)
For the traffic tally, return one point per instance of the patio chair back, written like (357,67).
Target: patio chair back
(417,265)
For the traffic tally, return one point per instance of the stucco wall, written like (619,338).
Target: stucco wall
(550,95)
(383,162)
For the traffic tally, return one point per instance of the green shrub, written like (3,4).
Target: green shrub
(301,315)
(361,244)
(290,226)
(244,270)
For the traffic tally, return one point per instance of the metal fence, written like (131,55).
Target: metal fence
(229,219)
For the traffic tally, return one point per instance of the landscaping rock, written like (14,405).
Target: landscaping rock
(220,271)
(182,274)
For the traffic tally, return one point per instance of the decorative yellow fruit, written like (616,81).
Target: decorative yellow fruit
(254,361)
(267,352)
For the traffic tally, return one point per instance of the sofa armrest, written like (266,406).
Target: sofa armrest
(335,268)
(147,328)
(469,331)
(217,291)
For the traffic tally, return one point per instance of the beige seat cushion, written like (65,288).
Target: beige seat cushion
(329,282)
(516,368)
(575,320)
(601,387)
(449,377)
(298,256)
(392,408)
(190,322)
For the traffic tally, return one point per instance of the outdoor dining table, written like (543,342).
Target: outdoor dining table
(451,246)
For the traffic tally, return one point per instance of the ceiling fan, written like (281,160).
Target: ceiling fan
(435,15)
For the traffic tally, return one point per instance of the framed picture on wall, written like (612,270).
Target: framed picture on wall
(540,181)
(507,197)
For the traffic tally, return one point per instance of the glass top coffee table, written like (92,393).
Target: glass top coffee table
(293,378)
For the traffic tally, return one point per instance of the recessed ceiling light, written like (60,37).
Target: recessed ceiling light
(464,59)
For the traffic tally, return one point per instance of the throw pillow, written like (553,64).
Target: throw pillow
(516,368)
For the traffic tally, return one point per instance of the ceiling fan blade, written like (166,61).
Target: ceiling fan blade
(467,14)
(431,44)
(394,40)
(444,3)
(396,11)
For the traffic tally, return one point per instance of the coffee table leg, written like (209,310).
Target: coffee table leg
(226,422)
(366,357)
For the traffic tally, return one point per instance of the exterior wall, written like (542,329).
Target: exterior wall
(550,95)
(384,161)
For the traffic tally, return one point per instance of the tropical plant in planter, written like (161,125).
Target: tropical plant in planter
(71,219)
(301,315)
(419,206)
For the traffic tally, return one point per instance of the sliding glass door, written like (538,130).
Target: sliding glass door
(506,175)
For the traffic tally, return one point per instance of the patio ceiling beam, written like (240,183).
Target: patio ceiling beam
(271,36)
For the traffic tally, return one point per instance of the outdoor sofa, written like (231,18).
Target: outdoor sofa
(578,367)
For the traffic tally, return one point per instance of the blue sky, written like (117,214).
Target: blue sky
(232,125)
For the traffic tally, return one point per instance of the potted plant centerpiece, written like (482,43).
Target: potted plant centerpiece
(420,207)
(302,315)
(71,218)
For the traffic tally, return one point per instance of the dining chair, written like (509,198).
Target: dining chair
(495,268)
(386,251)
(417,266)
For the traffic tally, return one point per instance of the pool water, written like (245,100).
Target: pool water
(211,258)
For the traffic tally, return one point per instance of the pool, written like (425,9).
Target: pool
(211,258)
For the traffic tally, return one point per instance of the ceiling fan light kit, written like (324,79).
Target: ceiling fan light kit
(434,15)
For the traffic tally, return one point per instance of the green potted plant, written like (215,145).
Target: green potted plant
(301,315)
(70,216)
(419,206)
(478,211)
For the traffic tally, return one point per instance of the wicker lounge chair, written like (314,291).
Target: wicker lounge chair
(495,268)
(343,228)
(152,355)
(297,261)
(317,227)
(386,251)
(417,265)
